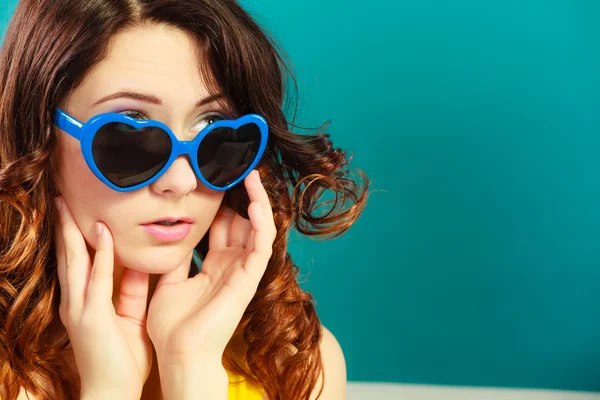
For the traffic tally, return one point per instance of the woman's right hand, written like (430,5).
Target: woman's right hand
(112,349)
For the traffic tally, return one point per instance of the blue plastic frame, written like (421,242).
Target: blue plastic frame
(85,132)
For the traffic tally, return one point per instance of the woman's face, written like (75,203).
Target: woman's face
(158,62)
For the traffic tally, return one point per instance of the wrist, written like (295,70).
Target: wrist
(198,379)
(108,394)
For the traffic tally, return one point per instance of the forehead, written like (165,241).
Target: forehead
(157,59)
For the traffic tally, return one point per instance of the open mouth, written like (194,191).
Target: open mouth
(168,223)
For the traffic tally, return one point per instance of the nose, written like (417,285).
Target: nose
(178,181)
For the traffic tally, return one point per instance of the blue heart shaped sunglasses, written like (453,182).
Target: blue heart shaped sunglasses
(128,154)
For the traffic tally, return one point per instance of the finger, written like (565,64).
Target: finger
(179,274)
(76,259)
(219,229)
(100,288)
(133,295)
(240,229)
(256,192)
(258,259)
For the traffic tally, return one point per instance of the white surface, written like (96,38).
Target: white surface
(388,391)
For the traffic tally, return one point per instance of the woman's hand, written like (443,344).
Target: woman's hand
(112,349)
(190,321)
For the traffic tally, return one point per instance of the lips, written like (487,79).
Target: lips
(172,220)
(166,233)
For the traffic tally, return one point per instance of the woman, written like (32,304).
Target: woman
(157,128)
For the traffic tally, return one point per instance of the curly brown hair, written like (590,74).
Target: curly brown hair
(48,48)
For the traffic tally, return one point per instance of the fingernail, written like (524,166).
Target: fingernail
(256,175)
(58,204)
(99,229)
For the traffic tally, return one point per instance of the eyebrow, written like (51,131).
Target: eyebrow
(153,99)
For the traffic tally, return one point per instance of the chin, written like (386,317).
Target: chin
(156,260)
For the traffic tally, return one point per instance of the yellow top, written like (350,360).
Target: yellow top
(240,389)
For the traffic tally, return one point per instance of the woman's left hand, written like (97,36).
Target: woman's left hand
(191,320)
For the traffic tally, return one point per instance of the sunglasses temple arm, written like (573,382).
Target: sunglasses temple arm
(68,124)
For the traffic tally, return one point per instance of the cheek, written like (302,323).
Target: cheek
(73,177)
(87,197)
(82,189)
(88,204)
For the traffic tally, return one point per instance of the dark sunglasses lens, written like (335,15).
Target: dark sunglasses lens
(226,153)
(128,156)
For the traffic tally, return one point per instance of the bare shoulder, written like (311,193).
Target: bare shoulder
(334,365)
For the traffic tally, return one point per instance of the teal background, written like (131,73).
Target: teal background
(477,259)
